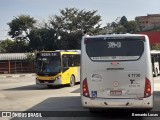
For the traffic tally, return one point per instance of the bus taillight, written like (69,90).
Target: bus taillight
(147,91)
(85,88)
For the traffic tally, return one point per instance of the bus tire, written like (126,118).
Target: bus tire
(72,81)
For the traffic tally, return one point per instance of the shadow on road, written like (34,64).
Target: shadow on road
(66,108)
(157,93)
(34,87)
(40,87)
(76,91)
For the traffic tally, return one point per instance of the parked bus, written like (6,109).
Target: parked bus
(58,67)
(155,56)
(116,72)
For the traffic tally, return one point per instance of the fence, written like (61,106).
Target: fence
(16,66)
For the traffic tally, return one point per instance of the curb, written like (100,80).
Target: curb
(15,76)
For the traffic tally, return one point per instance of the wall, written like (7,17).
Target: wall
(16,67)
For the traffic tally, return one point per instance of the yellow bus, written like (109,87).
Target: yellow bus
(58,67)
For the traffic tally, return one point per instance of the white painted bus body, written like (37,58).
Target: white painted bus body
(115,81)
(155,54)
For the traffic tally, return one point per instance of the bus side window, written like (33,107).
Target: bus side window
(74,60)
(65,62)
(71,63)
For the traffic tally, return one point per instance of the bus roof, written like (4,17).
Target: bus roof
(64,51)
(115,35)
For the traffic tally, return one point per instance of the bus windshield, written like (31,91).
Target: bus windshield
(114,49)
(49,64)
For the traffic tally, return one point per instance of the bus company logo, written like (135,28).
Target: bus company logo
(21,114)
(6,114)
(132,81)
(115,83)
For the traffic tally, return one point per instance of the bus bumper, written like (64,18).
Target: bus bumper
(143,103)
(49,82)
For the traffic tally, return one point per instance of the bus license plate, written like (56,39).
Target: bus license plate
(115,93)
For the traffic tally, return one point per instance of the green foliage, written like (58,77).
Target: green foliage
(114,24)
(156,47)
(19,47)
(19,24)
(43,39)
(9,46)
(125,26)
(31,57)
(132,26)
(120,29)
(63,31)
(70,24)
(123,20)
(6,45)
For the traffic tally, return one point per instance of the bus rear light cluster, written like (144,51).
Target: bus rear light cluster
(85,41)
(85,88)
(147,91)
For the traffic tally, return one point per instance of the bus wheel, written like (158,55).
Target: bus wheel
(72,81)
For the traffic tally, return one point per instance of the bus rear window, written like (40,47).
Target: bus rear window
(99,49)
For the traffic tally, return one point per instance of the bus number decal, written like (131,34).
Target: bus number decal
(134,75)
(114,44)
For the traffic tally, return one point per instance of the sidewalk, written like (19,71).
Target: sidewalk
(156,87)
(17,75)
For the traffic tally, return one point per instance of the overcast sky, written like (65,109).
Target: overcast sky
(42,9)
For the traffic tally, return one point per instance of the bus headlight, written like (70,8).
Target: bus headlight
(59,77)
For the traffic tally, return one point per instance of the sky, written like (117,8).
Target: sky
(109,10)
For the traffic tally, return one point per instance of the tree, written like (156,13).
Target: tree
(63,31)
(123,20)
(132,26)
(114,24)
(9,46)
(6,45)
(125,26)
(20,26)
(42,39)
(120,29)
(119,25)
(70,24)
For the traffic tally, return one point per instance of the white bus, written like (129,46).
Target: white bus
(155,56)
(116,72)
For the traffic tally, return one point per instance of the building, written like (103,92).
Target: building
(16,63)
(151,21)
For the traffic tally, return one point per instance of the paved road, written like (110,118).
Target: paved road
(21,94)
